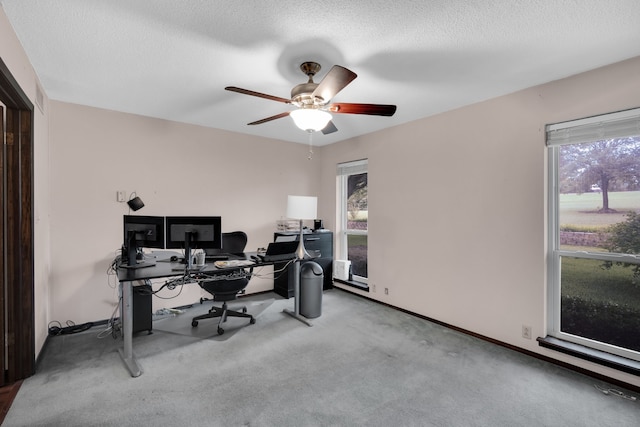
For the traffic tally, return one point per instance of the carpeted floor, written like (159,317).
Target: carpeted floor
(361,364)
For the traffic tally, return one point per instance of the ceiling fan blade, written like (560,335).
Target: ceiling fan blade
(268,119)
(336,79)
(329,128)
(370,109)
(258,94)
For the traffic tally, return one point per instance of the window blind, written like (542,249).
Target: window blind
(608,126)
(352,168)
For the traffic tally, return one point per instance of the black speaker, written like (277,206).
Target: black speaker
(317,224)
(135,203)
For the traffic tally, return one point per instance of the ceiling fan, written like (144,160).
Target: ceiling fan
(312,100)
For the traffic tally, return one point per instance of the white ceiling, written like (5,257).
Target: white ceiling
(172,59)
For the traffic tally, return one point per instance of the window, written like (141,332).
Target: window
(353,215)
(594,232)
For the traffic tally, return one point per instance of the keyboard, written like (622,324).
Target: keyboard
(218,257)
(276,258)
(286,257)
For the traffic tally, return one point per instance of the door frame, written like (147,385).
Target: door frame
(17,331)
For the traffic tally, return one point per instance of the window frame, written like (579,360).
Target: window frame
(344,170)
(588,130)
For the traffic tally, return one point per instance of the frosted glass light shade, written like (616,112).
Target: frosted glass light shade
(310,119)
(302,207)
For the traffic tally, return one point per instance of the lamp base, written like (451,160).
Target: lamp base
(301,252)
(298,316)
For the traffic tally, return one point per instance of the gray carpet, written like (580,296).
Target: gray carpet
(361,364)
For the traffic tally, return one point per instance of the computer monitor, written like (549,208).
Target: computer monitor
(141,232)
(192,232)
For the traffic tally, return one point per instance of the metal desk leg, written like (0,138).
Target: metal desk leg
(296,296)
(126,316)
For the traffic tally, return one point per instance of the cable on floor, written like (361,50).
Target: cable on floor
(614,392)
(56,328)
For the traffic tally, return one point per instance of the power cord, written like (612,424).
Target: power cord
(56,328)
(113,324)
(614,392)
(112,271)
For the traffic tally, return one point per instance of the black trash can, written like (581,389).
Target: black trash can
(311,281)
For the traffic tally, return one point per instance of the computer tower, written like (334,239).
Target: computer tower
(142,309)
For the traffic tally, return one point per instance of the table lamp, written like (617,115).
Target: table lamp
(301,208)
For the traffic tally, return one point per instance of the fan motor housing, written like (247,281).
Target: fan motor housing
(302,94)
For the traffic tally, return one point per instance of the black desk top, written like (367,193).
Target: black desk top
(166,268)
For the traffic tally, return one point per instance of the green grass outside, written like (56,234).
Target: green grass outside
(357,253)
(602,304)
(580,209)
(357,240)
(587,279)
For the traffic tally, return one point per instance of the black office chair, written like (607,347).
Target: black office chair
(227,289)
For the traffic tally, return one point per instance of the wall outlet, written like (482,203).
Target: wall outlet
(526,332)
(386,291)
(373,288)
(120,196)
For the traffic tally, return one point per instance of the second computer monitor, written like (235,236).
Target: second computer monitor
(191,232)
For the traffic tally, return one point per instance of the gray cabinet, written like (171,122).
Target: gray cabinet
(313,241)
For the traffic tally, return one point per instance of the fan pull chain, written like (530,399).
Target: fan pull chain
(310,145)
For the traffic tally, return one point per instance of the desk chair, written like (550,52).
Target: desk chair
(226,289)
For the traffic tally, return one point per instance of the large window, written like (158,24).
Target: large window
(353,215)
(594,219)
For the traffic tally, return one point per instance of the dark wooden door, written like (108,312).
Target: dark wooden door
(17,336)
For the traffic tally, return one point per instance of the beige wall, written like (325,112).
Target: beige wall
(176,169)
(457,205)
(16,60)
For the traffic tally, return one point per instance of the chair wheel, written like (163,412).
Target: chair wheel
(194,323)
(252,321)
(220,330)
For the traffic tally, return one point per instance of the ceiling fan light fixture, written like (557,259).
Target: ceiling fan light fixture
(310,119)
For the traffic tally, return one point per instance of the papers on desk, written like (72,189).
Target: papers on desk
(234,263)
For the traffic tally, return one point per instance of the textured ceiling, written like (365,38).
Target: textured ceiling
(172,59)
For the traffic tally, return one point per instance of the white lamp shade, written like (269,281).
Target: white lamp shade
(310,119)
(302,207)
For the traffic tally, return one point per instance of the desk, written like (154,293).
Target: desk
(162,269)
